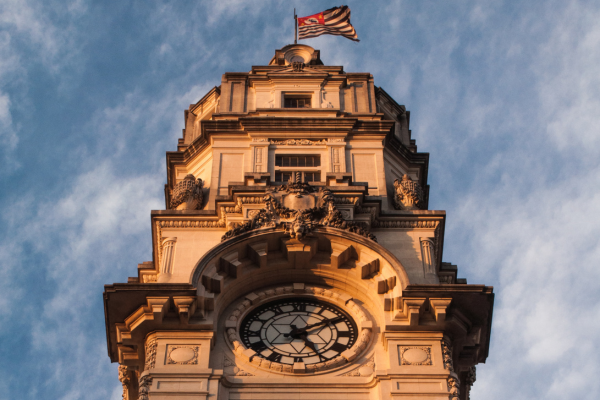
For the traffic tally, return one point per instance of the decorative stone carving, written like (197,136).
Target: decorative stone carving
(150,354)
(125,379)
(298,142)
(297,66)
(415,355)
(470,380)
(446,279)
(231,369)
(428,256)
(182,355)
(187,194)
(409,195)
(453,388)
(298,223)
(144,388)
(366,369)
(447,355)
(168,253)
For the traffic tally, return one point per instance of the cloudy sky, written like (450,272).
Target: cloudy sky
(504,95)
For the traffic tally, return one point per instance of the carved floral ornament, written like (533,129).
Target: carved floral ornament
(298,223)
(252,300)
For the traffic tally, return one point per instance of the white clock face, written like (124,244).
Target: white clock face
(298,330)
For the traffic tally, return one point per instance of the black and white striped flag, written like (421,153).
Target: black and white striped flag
(335,21)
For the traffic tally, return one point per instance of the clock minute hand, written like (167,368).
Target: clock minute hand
(323,323)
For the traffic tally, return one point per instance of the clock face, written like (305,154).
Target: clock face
(298,330)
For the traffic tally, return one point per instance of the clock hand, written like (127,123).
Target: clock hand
(298,331)
(323,323)
(309,343)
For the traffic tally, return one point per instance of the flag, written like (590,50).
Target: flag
(335,21)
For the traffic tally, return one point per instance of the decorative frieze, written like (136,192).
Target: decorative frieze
(298,142)
(187,194)
(410,224)
(409,195)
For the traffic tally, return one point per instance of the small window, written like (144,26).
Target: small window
(285,160)
(297,101)
(284,176)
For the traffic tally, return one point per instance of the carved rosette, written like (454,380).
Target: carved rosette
(298,223)
(187,194)
(409,195)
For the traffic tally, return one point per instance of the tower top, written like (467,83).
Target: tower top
(296,53)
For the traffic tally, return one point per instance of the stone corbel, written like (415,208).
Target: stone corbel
(406,310)
(186,307)
(439,308)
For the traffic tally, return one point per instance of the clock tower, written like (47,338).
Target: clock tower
(297,256)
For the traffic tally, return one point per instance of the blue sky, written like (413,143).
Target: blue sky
(504,95)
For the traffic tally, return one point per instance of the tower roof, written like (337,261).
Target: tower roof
(296,53)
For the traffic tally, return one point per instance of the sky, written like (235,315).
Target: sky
(504,95)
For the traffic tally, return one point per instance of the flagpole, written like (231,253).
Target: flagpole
(295,27)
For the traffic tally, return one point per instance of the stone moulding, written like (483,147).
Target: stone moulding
(252,300)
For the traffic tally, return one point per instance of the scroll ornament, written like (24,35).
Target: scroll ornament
(409,195)
(187,194)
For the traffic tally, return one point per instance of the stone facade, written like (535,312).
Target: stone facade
(297,199)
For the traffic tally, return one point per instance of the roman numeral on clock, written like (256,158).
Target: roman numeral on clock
(258,346)
(338,347)
(274,357)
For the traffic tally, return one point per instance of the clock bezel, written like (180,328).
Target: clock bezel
(252,301)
